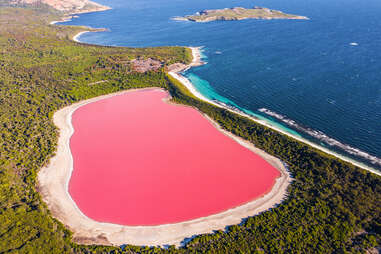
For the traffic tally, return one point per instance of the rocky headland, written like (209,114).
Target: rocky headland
(69,7)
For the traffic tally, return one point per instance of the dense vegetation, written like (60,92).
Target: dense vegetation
(333,207)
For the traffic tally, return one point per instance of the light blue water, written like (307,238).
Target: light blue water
(304,70)
(207,90)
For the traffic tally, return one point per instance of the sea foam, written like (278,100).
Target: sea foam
(323,137)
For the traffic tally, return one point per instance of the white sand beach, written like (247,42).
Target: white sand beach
(76,37)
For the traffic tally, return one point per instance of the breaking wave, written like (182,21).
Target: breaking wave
(323,137)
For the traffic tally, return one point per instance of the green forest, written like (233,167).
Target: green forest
(332,206)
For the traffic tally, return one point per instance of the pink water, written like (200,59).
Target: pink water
(141,161)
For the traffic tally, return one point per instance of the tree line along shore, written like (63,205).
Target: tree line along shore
(332,206)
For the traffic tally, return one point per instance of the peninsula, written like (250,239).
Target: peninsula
(238,13)
(69,7)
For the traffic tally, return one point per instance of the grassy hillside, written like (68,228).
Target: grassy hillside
(332,207)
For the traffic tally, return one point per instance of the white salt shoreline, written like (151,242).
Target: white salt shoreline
(186,82)
(53,185)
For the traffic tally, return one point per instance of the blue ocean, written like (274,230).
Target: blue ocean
(318,78)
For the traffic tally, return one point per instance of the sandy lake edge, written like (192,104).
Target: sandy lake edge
(54,180)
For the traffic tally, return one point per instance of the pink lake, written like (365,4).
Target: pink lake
(141,161)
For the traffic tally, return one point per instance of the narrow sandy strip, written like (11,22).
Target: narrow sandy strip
(64,19)
(76,37)
(197,62)
(54,180)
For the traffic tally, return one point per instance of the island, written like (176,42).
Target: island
(238,13)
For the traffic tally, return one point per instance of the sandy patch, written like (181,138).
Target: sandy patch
(76,37)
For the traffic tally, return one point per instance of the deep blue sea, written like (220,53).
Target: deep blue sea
(319,77)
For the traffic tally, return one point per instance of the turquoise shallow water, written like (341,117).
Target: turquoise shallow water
(319,78)
(207,90)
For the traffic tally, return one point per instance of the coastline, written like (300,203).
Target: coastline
(69,16)
(54,180)
(186,82)
(64,19)
(196,53)
(76,37)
